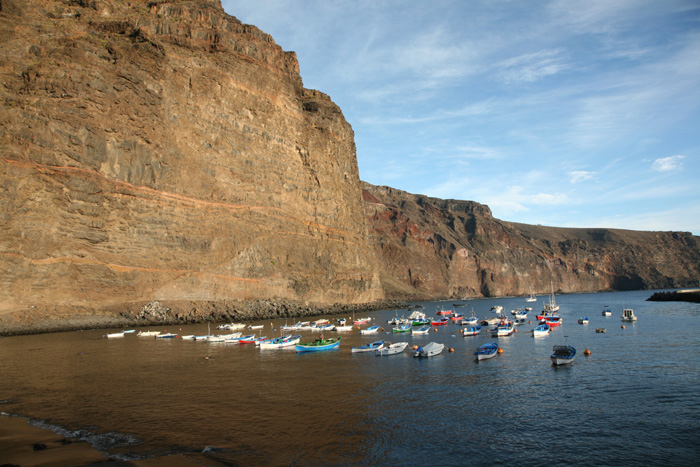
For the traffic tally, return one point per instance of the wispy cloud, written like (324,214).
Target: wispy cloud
(667,164)
(578,176)
(532,67)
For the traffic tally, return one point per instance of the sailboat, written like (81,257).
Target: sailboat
(552,306)
(532,297)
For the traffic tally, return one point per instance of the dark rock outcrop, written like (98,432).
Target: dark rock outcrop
(434,248)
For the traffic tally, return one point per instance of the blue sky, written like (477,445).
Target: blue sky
(560,113)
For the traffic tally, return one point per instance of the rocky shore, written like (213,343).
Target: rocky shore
(58,319)
(676,296)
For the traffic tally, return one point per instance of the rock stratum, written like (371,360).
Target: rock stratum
(162,162)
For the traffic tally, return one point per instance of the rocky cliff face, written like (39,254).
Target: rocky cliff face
(433,248)
(163,150)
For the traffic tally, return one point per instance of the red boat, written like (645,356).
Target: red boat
(444,312)
(457,317)
(441,322)
(553,321)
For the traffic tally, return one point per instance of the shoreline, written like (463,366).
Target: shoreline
(169,313)
(23,444)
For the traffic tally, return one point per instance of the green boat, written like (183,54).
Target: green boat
(402,328)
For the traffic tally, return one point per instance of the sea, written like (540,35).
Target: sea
(635,400)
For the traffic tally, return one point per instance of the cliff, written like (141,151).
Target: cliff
(434,248)
(163,150)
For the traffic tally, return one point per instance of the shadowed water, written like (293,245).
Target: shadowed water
(634,401)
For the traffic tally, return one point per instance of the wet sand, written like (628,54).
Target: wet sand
(23,444)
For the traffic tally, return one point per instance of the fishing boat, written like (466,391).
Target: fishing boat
(628,315)
(147,333)
(368,347)
(370,330)
(441,322)
(606,312)
(520,314)
(429,350)
(189,337)
(471,330)
(166,335)
(498,309)
(504,328)
(114,335)
(442,312)
(391,349)
(421,330)
(600,330)
(472,320)
(553,320)
(231,326)
(551,306)
(421,321)
(344,328)
(319,345)
(341,321)
(486,351)
(583,320)
(251,339)
(129,331)
(457,317)
(281,342)
(361,320)
(563,355)
(541,330)
(532,297)
(519,321)
(490,321)
(402,328)
(256,326)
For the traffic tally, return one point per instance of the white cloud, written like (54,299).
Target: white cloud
(532,67)
(667,164)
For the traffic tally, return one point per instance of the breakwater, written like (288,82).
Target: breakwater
(687,295)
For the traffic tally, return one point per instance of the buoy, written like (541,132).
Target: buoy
(529,322)
(415,347)
(382,329)
(435,329)
(500,350)
(586,352)
(451,349)
(623,326)
(515,330)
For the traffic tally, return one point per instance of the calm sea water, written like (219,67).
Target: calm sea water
(634,401)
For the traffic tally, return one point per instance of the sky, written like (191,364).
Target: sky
(561,113)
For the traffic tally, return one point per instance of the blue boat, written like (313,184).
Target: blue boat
(563,355)
(319,345)
(486,351)
(472,330)
(368,347)
(541,330)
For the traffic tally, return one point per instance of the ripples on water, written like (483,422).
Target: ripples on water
(634,401)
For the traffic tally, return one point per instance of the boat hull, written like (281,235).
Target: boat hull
(320,346)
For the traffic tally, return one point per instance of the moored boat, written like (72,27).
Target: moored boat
(441,322)
(504,328)
(361,320)
(391,349)
(344,328)
(442,312)
(281,342)
(166,335)
(583,320)
(606,312)
(457,317)
(113,335)
(421,330)
(486,351)
(402,328)
(147,333)
(563,354)
(553,320)
(368,347)
(471,330)
(628,315)
(370,330)
(429,350)
(541,330)
(320,345)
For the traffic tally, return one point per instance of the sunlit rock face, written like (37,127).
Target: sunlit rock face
(163,150)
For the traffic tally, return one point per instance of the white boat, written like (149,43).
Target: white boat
(361,320)
(256,326)
(114,335)
(189,337)
(370,330)
(520,314)
(472,320)
(421,330)
(345,328)
(471,330)
(583,320)
(541,330)
(129,331)
(281,342)
(391,349)
(417,315)
(429,350)
(368,347)
(504,328)
(606,312)
(166,335)
(231,326)
(147,333)
(563,355)
(532,297)
(628,315)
